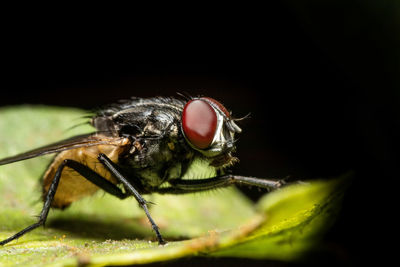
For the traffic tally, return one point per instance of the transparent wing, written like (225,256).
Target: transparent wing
(85,140)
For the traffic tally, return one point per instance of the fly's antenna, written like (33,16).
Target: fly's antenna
(242,118)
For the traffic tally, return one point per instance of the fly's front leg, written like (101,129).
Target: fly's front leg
(131,190)
(196,185)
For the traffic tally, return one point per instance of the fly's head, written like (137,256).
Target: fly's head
(209,128)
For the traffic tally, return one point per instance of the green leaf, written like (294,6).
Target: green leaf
(102,230)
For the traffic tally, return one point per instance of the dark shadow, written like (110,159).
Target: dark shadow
(92,228)
(103,230)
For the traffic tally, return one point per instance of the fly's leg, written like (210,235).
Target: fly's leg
(132,191)
(87,173)
(196,185)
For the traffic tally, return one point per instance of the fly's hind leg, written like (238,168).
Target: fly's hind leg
(83,170)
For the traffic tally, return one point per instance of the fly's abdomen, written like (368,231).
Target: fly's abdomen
(72,185)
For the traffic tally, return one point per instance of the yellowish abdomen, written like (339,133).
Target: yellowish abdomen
(72,185)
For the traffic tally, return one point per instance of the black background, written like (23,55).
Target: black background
(321,81)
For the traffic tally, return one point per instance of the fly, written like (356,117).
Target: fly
(141,146)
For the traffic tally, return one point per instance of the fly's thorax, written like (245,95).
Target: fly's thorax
(155,160)
(138,116)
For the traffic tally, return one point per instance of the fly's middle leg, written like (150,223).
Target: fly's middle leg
(110,166)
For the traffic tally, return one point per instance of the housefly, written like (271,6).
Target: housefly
(141,146)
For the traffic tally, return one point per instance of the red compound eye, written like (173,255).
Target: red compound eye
(219,105)
(199,122)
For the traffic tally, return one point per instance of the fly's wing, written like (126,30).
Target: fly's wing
(85,140)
